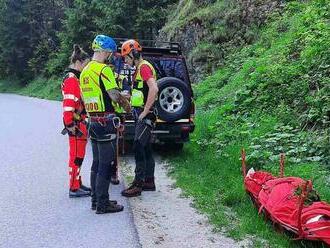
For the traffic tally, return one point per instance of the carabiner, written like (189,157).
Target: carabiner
(116,121)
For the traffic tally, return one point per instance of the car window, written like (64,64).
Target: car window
(169,67)
(165,67)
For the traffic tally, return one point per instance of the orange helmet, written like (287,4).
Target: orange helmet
(130,45)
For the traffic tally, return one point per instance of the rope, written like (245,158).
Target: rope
(243,155)
(306,188)
(282,161)
(117,148)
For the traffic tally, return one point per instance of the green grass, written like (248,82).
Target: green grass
(12,87)
(280,80)
(39,87)
(277,83)
(216,184)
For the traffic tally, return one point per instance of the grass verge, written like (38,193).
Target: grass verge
(39,87)
(216,185)
(264,99)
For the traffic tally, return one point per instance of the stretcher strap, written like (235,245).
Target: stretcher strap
(243,155)
(306,188)
(282,161)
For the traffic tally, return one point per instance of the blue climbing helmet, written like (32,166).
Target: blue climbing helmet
(104,43)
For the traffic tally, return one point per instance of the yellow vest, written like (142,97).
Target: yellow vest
(95,80)
(119,109)
(138,98)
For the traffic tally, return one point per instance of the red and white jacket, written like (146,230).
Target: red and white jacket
(73,106)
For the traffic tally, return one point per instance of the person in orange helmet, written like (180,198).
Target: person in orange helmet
(144,95)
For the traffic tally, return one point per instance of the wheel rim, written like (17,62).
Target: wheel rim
(171,99)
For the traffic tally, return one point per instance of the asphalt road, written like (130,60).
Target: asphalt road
(35,210)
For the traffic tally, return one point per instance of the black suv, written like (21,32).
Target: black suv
(175,105)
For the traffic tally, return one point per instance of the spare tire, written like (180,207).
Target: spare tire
(174,99)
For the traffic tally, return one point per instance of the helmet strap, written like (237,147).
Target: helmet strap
(136,54)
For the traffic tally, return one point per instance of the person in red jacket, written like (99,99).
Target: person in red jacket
(74,115)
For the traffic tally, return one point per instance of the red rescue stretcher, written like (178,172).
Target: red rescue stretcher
(278,200)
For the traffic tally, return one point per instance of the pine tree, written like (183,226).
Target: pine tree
(45,21)
(27,36)
(14,40)
(78,28)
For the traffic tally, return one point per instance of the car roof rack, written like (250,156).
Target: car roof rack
(153,46)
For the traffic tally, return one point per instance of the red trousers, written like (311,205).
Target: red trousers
(77,147)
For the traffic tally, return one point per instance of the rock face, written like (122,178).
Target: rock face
(188,36)
(236,19)
(256,11)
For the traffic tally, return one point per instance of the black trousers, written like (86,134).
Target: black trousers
(103,139)
(144,160)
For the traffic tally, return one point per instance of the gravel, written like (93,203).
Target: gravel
(165,219)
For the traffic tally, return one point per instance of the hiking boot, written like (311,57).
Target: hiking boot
(134,190)
(114,180)
(78,193)
(85,188)
(93,207)
(109,208)
(149,184)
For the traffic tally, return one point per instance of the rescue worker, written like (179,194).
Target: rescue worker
(144,94)
(120,112)
(100,92)
(74,121)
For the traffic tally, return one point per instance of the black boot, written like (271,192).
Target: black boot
(134,189)
(109,208)
(104,205)
(109,202)
(78,193)
(149,184)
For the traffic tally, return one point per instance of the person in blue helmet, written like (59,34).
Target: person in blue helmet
(102,98)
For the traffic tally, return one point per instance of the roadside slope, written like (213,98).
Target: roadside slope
(270,97)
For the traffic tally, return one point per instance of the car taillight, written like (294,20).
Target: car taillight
(192,112)
(185,128)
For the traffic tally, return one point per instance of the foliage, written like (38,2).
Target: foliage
(86,18)
(265,79)
(296,71)
(39,87)
(79,27)
(36,37)
(46,88)
(299,147)
(270,97)
(270,93)
(216,184)
(28,33)
(133,19)
(210,30)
